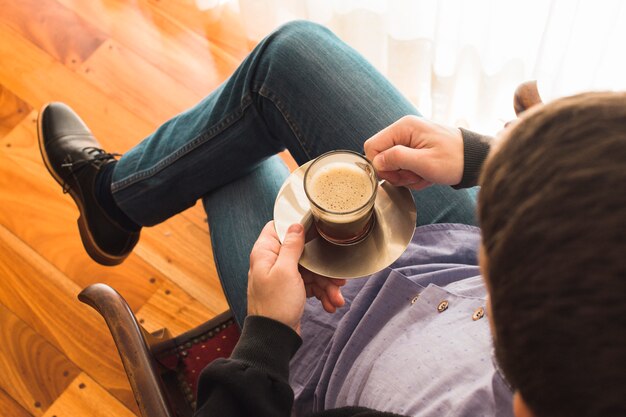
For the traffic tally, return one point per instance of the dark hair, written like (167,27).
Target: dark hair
(552,209)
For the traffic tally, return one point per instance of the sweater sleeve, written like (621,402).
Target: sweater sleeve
(475,150)
(254,380)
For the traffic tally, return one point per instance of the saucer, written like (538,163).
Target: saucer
(393,229)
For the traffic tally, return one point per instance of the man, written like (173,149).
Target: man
(412,339)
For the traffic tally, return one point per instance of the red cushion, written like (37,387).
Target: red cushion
(190,358)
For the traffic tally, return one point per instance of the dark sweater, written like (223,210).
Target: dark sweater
(254,381)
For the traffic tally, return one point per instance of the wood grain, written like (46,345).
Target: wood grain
(182,252)
(136,84)
(230,37)
(197,215)
(40,23)
(183,54)
(26,357)
(85,397)
(9,407)
(45,299)
(172,308)
(12,111)
(27,71)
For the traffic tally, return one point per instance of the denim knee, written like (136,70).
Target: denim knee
(300,40)
(298,52)
(302,30)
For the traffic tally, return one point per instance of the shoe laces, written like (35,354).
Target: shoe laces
(97,158)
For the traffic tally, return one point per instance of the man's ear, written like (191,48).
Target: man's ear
(520,409)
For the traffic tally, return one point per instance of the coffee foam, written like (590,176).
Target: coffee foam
(340,187)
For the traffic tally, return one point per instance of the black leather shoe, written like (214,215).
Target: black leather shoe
(74,157)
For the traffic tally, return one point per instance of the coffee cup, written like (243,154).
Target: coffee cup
(341,188)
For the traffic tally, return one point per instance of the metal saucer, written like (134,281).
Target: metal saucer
(395,223)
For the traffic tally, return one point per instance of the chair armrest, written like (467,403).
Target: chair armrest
(133,347)
(526,96)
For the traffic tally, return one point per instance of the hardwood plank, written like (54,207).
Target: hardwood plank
(179,52)
(46,219)
(12,111)
(182,252)
(174,309)
(221,26)
(198,215)
(45,299)
(40,23)
(288,160)
(26,357)
(136,84)
(85,397)
(28,71)
(9,407)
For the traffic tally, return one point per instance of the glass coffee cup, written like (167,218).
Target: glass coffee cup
(341,188)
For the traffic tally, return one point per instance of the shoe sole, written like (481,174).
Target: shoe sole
(86,237)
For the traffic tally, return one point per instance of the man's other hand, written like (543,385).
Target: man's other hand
(416,153)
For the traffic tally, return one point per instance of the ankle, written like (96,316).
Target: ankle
(104,197)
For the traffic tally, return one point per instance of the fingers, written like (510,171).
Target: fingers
(334,296)
(292,247)
(311,277)
(420,185)
(399,178)
(265,250)
(267,238)
(327,290)
(404,179)
(399,157)
(398,133)
(321,295)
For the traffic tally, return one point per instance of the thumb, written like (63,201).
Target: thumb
(397,158)
(292,246)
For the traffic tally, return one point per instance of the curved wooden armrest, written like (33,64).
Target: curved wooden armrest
(526,96)
(133,344)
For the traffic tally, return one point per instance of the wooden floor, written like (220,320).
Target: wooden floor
(126,67)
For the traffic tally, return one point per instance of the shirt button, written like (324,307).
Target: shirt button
(478,314)
(414,300)
(443,306)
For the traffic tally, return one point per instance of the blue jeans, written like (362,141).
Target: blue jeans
(302,89)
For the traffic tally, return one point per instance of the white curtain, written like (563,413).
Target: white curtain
(460,61)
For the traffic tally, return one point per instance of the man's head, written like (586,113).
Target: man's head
(552,209)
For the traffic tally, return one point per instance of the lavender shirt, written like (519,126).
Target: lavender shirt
(409,340)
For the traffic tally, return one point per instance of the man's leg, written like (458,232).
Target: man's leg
(301,88)
(237,213)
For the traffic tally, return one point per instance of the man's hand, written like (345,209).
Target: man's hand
(275,287)
(416,153)
(327,290)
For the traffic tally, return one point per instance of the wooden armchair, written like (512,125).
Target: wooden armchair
(163,370)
